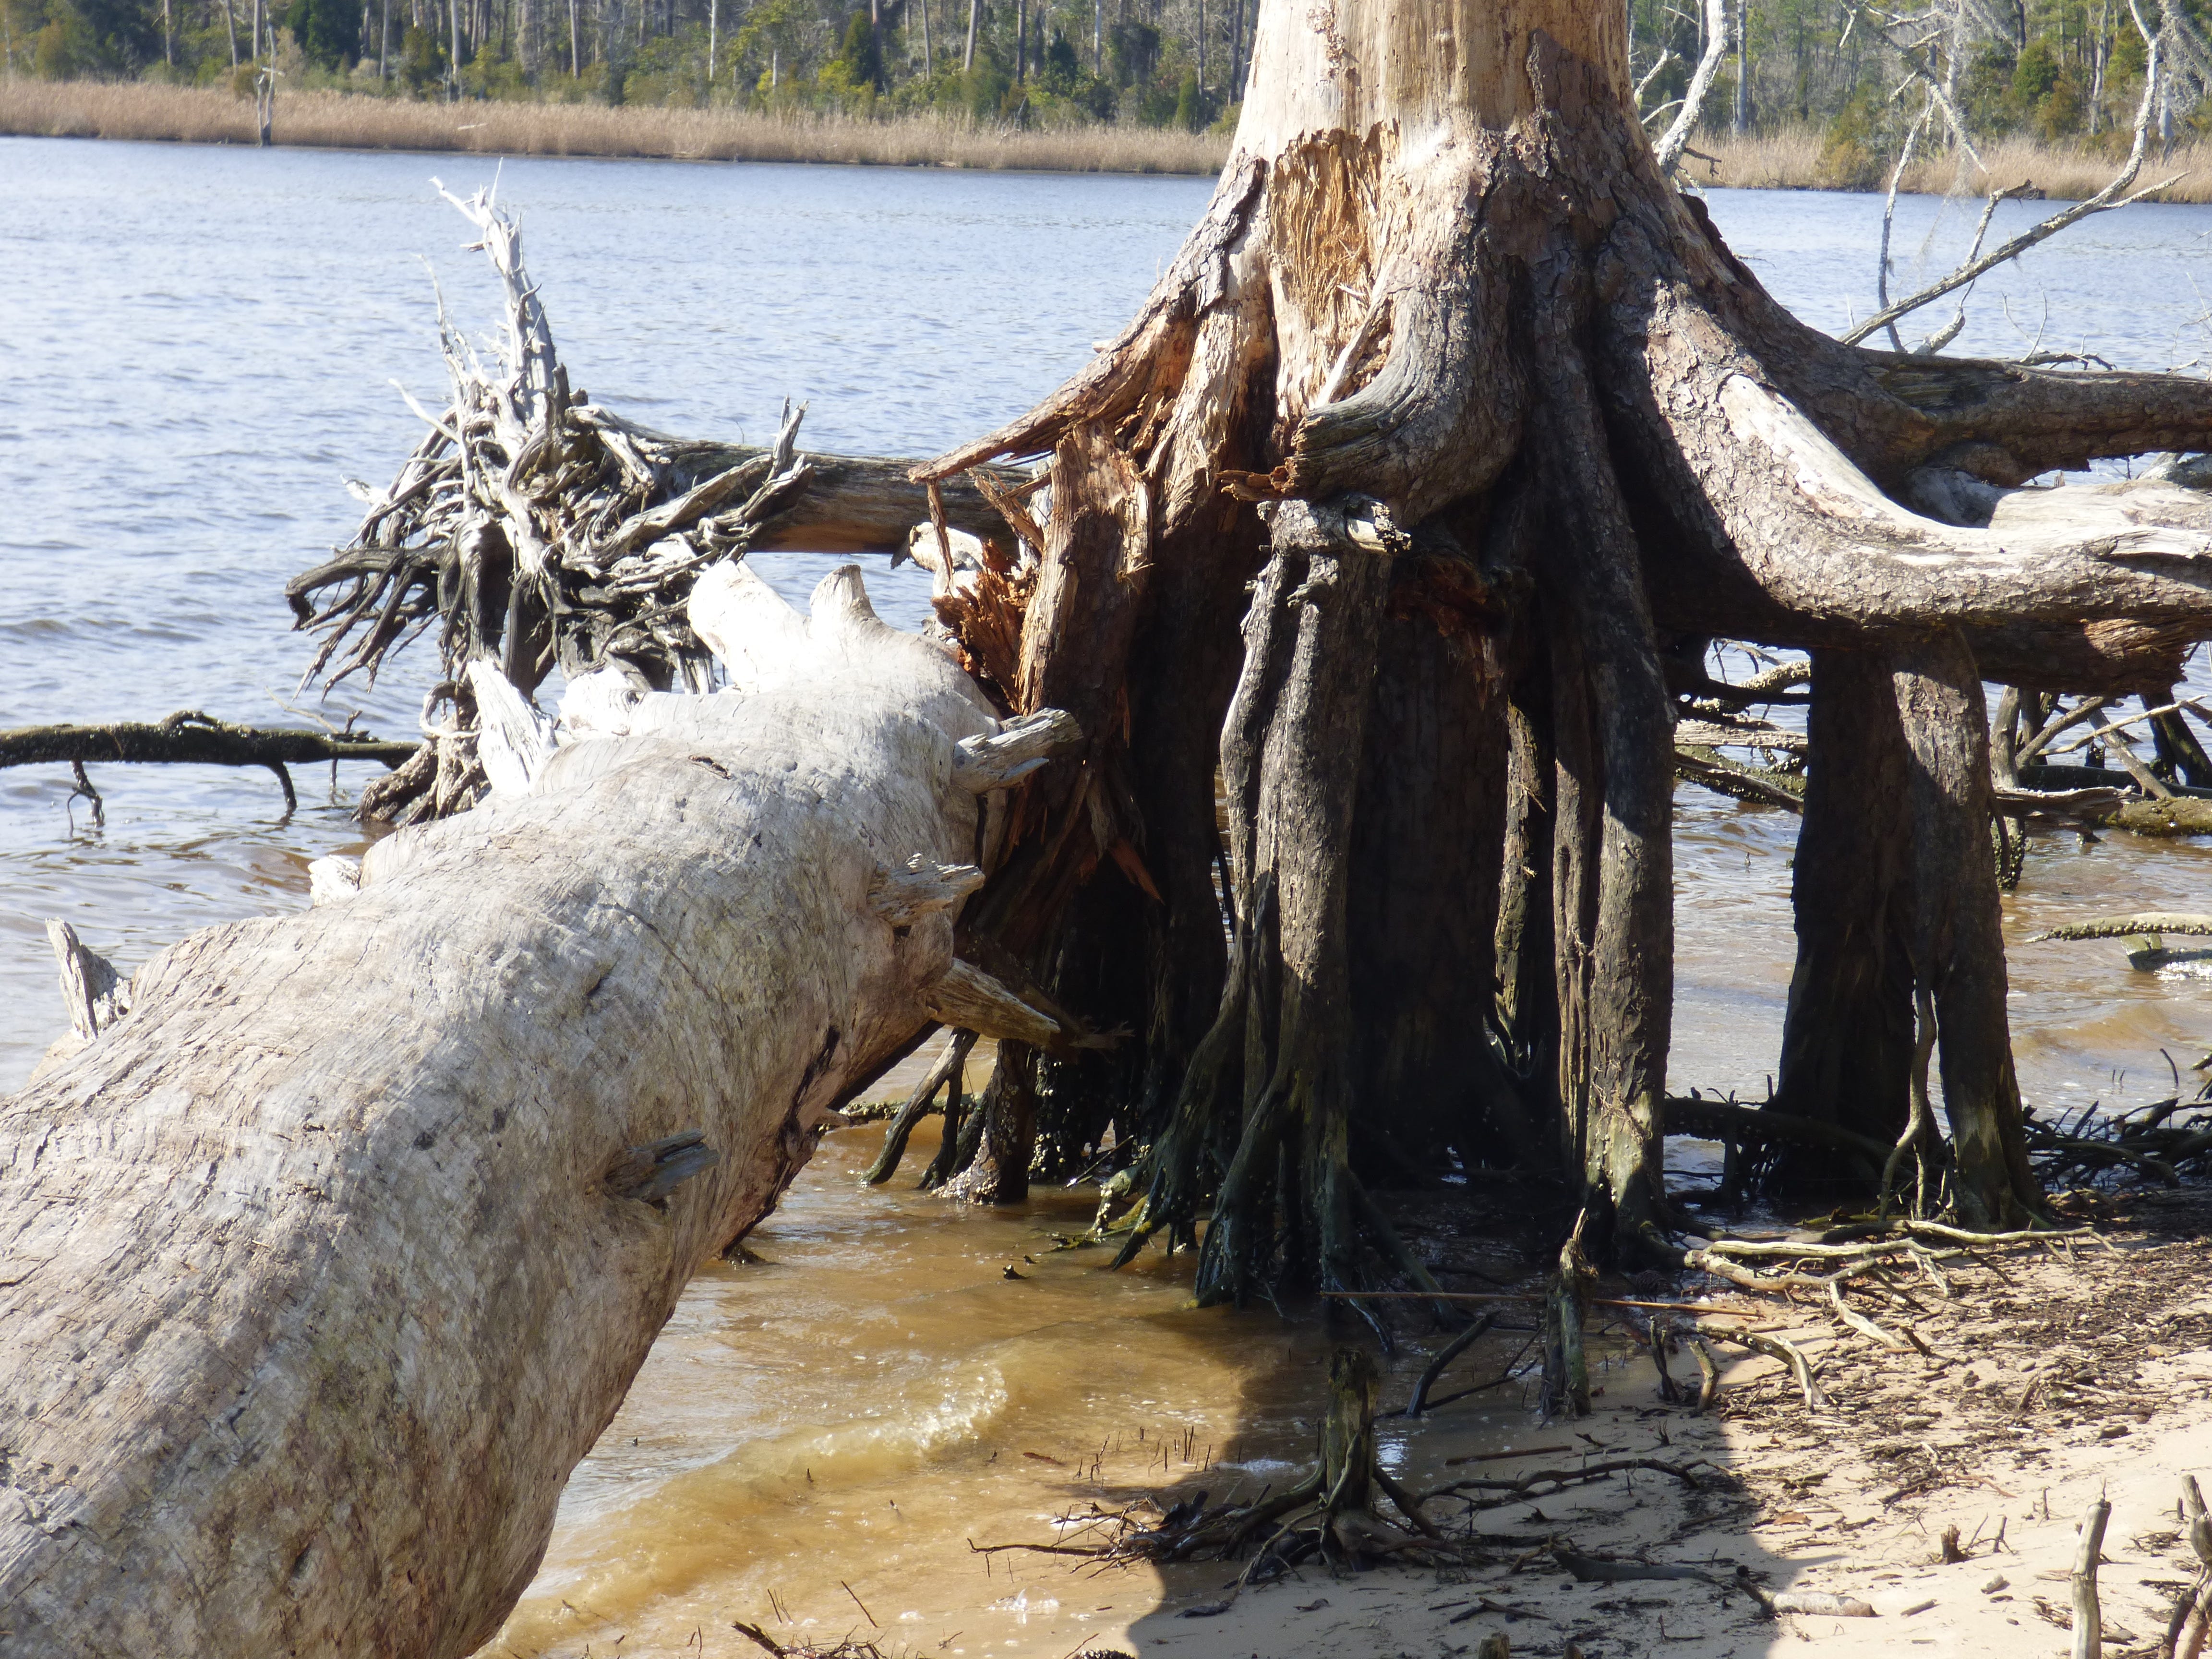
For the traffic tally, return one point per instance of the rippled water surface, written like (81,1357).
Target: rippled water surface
(196,346)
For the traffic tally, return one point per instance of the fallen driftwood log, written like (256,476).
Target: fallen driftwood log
(190,738)
(322,1266)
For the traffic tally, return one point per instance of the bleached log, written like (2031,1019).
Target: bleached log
(1017,748)
(320,1269)
(969,1000)
(903,897)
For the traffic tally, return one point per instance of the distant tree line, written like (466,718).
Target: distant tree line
(2054,69)
(2051,69)
(1158,63)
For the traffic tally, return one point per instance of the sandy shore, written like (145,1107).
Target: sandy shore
(2067,1376)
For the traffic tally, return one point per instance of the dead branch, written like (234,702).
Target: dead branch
(1669,150)
(189,737)
(2114,195)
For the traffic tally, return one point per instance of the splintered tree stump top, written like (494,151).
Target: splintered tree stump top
(1483,432)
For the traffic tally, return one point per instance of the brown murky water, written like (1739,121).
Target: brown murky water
(821,1432)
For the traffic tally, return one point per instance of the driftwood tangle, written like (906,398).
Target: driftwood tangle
(532,526)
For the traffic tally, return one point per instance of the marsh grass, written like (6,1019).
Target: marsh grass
(1801,158)
(1791,159)
(336,120)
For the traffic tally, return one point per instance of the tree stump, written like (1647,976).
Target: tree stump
(1449,353)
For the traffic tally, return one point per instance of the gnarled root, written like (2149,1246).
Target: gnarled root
(1330,1511)
(944,1076)
(1482,368)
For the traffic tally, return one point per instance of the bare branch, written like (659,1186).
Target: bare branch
(2112,196)
(1668,149)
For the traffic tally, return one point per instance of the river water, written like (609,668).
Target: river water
(198,347)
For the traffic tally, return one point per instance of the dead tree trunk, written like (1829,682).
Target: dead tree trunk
(1847,1038)
(1896,893)
(1448,343)
(322,1266)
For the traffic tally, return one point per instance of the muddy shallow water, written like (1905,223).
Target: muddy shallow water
(198,350)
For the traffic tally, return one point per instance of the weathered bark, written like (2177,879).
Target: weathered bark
(1427,834)
(1847,1038)
(1900,946)
(1600,595)
(1528,1016)
(1958,941)
(1301,709)
(317,1267)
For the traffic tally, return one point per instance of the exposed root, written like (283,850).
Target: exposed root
(944,1076)
(1329,1511)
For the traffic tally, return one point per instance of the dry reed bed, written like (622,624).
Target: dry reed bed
(1793,160)
(336,120)
(1788,160)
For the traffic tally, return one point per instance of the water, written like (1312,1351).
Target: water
(2124,285)
(199,345)
(196,347)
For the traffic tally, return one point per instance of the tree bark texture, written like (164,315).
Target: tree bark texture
(1847,1038)
(1448,353)
(1958,941)
(323,1266)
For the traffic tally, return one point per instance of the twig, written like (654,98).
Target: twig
(858,1602)
(1686,1472)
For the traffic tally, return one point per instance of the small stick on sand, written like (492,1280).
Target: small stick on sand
(2088,1621)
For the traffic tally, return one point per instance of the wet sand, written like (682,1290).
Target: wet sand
(824,1434)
